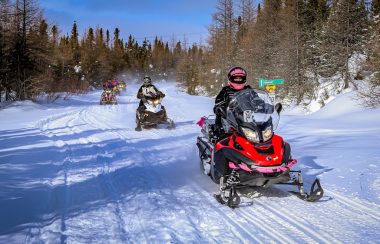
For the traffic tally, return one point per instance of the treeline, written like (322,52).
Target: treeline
(300,41)
(35,59)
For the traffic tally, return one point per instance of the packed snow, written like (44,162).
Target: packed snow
(77,172)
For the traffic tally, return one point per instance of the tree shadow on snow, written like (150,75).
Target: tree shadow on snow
(48,183)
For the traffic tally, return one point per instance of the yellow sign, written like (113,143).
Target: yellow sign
(270,88)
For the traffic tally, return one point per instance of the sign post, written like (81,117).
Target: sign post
(270,86)
(263,83)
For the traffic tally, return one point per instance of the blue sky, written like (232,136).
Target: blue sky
(141,18)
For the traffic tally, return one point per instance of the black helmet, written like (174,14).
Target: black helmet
(147,80)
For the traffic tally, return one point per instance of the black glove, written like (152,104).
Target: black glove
(219,111)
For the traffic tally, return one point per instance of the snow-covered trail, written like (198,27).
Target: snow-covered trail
(79,173)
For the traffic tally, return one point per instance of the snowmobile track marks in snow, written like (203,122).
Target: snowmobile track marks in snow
(298,223)
(126,141)
(46,128)
(68,119)
(108,183)
(355,205)
(274,230)
(234,225)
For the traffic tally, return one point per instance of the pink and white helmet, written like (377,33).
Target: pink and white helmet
(237,78)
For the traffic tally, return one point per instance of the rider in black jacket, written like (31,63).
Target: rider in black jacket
(236,82)
(146,90)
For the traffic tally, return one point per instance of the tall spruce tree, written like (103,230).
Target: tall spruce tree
(23,48)
(375,7)
(344,34)
(74,43)
(371,95)
(4,52)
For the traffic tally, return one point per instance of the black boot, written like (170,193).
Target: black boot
(138,128)
(218,131)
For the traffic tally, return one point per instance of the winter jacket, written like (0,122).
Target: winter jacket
(223,99)
(149,91)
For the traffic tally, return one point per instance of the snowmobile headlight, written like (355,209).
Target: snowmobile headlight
(250,135)
(156,102)
(267,133)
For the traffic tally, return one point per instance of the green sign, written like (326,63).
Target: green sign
(263,83)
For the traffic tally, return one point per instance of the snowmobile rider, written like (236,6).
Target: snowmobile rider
(108,85)
(146,90)
(237,81)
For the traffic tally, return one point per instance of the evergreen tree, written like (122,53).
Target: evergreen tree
(371,95)
(375,7)
(117,53)
(344,34)
(74,43)
(54,35)
(108,38)
(23,48)
(189,69)
(4,54)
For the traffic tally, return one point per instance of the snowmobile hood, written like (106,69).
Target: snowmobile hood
(266,154)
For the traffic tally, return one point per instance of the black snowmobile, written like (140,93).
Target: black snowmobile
(152,114)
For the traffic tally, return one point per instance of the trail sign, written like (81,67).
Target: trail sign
(263,82)
(270,88)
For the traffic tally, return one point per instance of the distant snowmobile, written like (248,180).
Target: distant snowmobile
(152,114)
(108,97)
(121,86)
(115,85)
(249,154)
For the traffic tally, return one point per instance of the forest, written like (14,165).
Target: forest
(304,42)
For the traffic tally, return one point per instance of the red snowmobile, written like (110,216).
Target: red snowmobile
(249,153)
(108,97)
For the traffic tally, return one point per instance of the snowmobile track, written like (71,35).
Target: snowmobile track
(234,225)
(185,208)
(355,205)
(108,182)
(298,223)
(266,223)
(46,128)
(89,119)
(68,119)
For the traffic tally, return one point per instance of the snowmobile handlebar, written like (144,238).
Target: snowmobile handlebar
(220,111)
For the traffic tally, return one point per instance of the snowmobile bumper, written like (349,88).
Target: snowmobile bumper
(149,119)
(108,100)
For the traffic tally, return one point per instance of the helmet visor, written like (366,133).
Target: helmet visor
(238,79)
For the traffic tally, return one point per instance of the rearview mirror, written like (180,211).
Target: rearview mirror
(278,107)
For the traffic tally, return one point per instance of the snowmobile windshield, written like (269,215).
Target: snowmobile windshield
(252,109)
(154,101)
